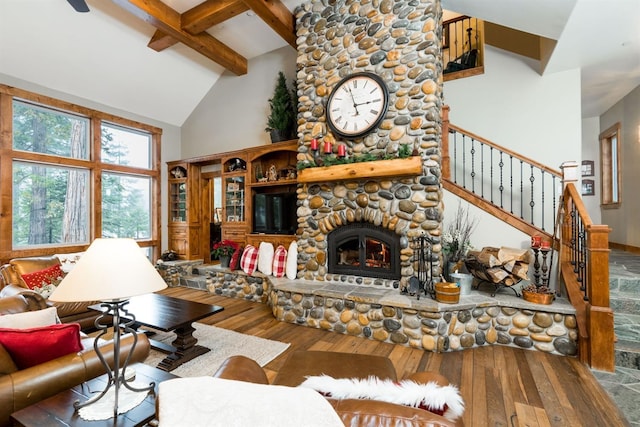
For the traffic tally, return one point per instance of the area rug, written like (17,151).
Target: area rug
(223,344)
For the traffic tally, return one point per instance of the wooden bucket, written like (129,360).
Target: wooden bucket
(447,292)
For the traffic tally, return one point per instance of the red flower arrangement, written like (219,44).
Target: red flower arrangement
(224,248)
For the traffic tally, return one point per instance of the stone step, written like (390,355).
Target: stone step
(627,347)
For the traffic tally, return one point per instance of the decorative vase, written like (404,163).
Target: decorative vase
(537,298)
(224,261)
(278,135)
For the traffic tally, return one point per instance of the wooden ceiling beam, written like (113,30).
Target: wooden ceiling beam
(212,12)
(161,41)
(168,20)
(276,15)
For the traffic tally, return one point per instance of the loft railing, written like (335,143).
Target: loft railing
(518,190)
(462,47)
(584,269)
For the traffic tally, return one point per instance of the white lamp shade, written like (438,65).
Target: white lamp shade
(111,269)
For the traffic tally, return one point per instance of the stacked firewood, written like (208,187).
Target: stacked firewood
(506,266)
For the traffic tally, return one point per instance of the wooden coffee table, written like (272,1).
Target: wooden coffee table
(171,314)
(58,410)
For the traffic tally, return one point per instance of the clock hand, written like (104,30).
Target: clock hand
(363,103)
(355,106)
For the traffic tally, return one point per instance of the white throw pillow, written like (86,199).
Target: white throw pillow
(291,270)
(265,258)
(30,319)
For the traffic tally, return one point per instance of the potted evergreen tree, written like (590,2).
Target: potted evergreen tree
(282,120)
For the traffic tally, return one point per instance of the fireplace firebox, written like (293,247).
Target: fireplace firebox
(364,249)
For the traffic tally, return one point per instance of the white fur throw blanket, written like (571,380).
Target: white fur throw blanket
(444,401)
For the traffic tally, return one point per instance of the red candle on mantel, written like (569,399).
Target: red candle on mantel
(545,244)
(327,147)
(314,144)
(342,150)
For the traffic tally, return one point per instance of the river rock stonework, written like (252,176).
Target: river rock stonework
(398,41)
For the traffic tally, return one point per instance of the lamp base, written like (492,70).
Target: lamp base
(103,408)
(112,397)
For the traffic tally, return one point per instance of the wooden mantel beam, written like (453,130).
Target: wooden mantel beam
(276,15)
(168,20)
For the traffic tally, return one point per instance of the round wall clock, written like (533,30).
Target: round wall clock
(357,105)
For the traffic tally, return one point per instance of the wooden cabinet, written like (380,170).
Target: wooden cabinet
(268,169)
(273,173)
(184,210)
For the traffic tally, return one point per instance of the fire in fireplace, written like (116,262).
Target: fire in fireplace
(364,249)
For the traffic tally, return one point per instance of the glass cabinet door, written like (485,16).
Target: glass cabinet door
(234,199)
(178,197)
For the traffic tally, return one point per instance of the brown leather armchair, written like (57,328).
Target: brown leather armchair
(11,283)
(21,388)
(353,412)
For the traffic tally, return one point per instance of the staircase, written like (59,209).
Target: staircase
(624,281)
(525,195)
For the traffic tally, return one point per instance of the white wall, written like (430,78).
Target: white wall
(624,220)
(170,149)
(513,106)
(591,151)
(233,115)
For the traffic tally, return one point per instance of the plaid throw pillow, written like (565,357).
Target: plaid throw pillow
(249,261)
(279,261)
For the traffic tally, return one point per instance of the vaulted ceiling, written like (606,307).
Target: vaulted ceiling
(158,59)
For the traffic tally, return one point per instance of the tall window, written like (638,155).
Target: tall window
(75,174)
(610,162)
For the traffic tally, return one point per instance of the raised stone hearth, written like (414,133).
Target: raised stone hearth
(385,315)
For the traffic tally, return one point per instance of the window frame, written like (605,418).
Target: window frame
(607,200)
(94,165)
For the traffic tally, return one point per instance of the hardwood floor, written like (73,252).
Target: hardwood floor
(501,386)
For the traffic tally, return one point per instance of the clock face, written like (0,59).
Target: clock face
(357,105)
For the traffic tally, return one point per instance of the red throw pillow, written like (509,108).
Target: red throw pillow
(234,264)
(249,261)
(279,261)
(40,278)
(30,347)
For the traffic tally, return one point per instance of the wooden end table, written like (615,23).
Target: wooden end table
(58,410)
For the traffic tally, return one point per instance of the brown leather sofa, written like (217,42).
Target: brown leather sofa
(21,388)
(353,412)
(11,283)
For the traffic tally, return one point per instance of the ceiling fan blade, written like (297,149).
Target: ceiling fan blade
(79,5)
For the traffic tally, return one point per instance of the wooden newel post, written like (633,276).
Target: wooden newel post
(446,159)
(599,314)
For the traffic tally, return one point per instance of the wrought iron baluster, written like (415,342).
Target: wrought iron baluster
(542,198)
(491,172)
(464,161)
(455,157)
(532,203)
(473,165)
(521,188)
(511,182)
(482,170)
(501,188)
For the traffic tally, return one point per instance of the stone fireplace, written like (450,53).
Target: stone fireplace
(360,248)
(399,41)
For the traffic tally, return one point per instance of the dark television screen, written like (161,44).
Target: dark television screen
(274,213)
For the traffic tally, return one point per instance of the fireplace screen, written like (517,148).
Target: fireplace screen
(364,249)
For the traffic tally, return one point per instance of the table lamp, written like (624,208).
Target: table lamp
(111,271)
